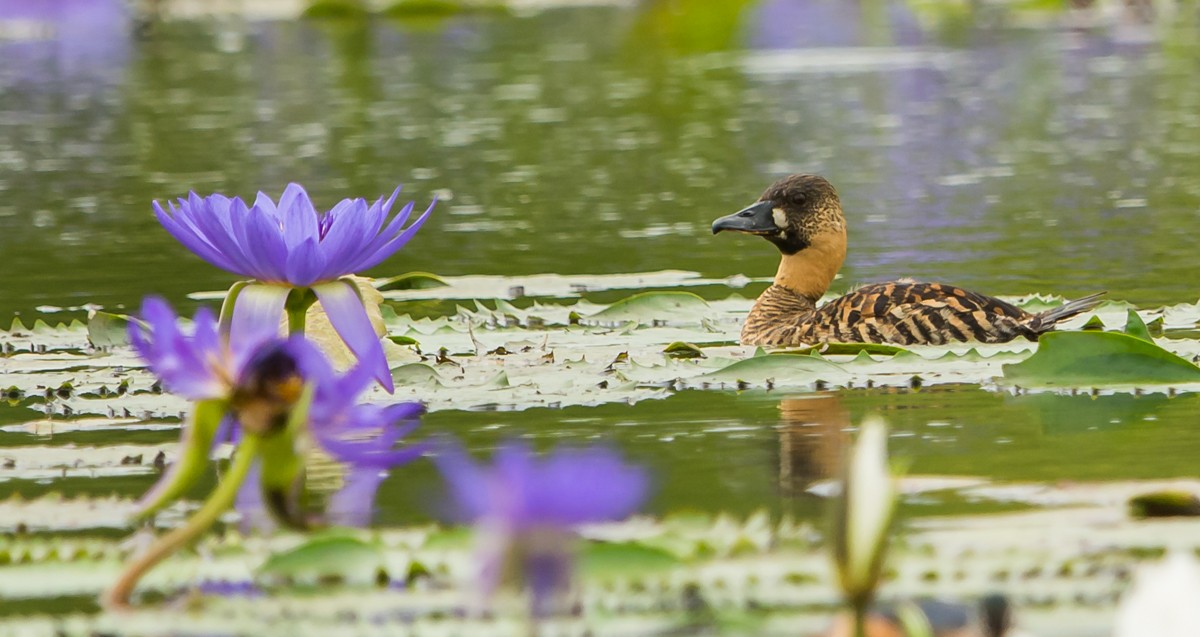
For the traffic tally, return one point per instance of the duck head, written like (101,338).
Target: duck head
(802,216)
(792,213)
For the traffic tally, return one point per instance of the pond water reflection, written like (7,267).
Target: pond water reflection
(720,451)
(1011,161)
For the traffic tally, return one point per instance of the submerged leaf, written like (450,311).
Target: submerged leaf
(1100,358)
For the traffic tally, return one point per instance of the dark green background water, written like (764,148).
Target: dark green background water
(1010,160)
(606,140)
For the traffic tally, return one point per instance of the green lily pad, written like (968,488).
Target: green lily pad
(105,330)
(680,349)
(623,559)
(1100,358)
(1136,327)
(330,556)
(410,281)
(655,307)
(779,369)
(848,349)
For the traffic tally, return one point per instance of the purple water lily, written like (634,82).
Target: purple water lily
(526,509)
(197,366)
(273,394)
(288,246)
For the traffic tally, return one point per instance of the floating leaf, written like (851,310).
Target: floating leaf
(649,308)
(1100,358)
(415,374)
(105,329)
(680,349)
(623,559)
(332,556)
(780,369)
(848,349)
(1136,327)
(410,281)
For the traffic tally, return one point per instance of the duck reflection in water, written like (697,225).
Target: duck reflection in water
(814,438)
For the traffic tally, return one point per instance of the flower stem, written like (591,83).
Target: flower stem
(216,504)
(298,302)
(860,620)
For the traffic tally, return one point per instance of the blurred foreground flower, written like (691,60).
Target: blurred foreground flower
(276,398)
(862,517)
(525,509)
(1162,600)
(296,257)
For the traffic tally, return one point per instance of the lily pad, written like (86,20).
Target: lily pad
(623,559)
(410,281)
(1100,358)
(649,308)
(105,329)
(780,369)
(333,556)
(848,349)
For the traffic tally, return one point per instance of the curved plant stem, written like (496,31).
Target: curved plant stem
(216,504)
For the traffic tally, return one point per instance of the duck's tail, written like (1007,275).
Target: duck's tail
(1046,320)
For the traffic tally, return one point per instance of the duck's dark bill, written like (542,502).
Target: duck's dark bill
(756,219)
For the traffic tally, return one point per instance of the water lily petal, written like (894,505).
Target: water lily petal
(347,237)
(349,318)
(264,245)
(192,240)
(389,248)
(297,216)
(213,218)
(305,263)
(257,314)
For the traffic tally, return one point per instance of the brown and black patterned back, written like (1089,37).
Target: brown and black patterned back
(900,313)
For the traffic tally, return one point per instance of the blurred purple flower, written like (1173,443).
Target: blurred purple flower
(525,508)
(290,246)
(256,382)
(198,366)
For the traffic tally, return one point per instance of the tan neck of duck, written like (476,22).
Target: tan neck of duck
(802,216)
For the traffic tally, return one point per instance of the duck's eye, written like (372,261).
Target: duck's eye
(799,199)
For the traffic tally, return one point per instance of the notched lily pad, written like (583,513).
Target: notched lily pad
(1100,358)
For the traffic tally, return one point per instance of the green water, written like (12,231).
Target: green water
(606,140)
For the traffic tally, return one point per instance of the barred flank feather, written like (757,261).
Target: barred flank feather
(898,313)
